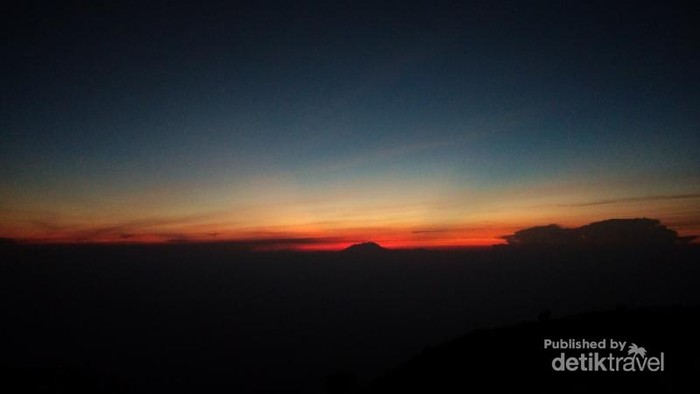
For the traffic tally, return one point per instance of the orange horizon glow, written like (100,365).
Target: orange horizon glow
(442,239)
(288,242)
(277,215)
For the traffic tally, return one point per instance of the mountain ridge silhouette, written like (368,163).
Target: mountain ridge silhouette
(511,358)
(365,247)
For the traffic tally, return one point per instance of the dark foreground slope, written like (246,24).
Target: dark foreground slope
(514,358)
(212,318)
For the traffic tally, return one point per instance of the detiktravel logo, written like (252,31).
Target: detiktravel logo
(605,355)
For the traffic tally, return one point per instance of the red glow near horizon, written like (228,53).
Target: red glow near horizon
(290,238)
(272,244)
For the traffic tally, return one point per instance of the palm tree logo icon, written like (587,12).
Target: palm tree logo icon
(637,351)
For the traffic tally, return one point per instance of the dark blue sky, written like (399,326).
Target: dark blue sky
(204,107)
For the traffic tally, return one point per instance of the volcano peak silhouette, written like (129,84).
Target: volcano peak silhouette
(365,247)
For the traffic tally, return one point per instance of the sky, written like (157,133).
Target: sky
(315,125)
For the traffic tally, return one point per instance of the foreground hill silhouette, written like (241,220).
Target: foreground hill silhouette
(210,318)
(513,358)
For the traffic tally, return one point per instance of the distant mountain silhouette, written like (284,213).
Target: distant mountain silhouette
(7,242)
(611,232)
(365,247)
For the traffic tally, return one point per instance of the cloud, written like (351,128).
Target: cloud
(619,232)
(635,199)
(288,241)
(445,230)
(264,244)
(150,228)
(49,226)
